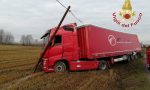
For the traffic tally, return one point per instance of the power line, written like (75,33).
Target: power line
(70,12)
(76,18)
(62,4)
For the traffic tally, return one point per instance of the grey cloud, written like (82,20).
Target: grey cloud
(36,16)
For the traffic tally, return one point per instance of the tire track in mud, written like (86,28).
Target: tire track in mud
(60,81)
(92,81)
(56,81)
(14,66)
(18,81)
(86,83)
(7,76)
(75,80)
(48,80)
(71,79)
(89,78)
(16,60)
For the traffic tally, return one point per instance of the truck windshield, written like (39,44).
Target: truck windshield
(45,37)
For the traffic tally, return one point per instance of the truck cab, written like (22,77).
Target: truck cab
(62,49)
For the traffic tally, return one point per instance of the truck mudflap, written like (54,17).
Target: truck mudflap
(84,65)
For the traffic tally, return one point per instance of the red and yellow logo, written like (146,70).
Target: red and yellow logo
(126,17)
(126,11)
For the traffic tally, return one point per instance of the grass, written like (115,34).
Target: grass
(17,63)
(133,76)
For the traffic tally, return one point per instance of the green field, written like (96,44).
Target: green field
(17,62)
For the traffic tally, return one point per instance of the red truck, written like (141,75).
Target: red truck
(87,47)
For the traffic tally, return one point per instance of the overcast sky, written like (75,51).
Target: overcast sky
(36,16)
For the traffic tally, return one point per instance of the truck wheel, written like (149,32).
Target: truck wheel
(129,58)
(103,65)
(60,67)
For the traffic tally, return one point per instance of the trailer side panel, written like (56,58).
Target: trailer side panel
(99,42)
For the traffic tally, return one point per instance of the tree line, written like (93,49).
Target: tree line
(8,38)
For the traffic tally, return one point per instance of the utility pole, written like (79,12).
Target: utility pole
(52,37)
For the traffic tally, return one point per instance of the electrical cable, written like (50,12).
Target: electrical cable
(70,12)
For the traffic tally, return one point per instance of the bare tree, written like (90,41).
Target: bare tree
(2,34)
(27,40)
(6,37)
(23,37)
(9,38)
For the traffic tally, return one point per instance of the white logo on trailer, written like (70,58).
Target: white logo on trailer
(112,40)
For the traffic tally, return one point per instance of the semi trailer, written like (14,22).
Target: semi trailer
(87,47)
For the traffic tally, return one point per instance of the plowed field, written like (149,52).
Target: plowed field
(17,62)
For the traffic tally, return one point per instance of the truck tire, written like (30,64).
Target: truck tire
(128,58)
(102,65)
(60,67)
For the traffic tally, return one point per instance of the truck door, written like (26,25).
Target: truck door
(67,46)
(56,49)
(69,41)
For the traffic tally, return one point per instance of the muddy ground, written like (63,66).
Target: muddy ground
(17,64)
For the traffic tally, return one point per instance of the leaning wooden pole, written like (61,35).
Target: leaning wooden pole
(52,37)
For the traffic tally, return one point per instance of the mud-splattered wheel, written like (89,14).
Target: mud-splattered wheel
(60,67)
(132,57)
(103,65)
(128,58)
